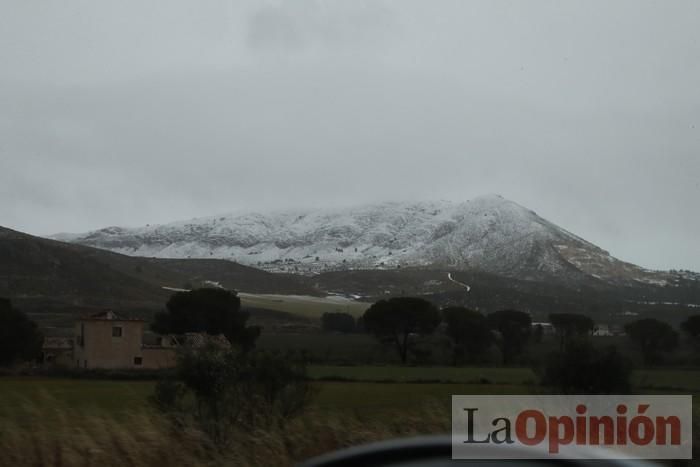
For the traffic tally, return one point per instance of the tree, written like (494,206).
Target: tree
(538,333)
(652,337)
(691,326)
(469,332)
(210,310)
(569,326)
(582,369)
(394,320)
(20,338)
(514,328)
(339,322)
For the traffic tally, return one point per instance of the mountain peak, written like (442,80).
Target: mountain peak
(488,233)
(492,197)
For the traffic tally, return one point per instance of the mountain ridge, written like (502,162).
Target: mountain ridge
(55,281)
(488,233)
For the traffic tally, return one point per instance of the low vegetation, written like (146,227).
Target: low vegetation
(145,440)
(339,322)
(581,368)
(222,390)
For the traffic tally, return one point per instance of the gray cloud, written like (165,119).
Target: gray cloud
(138,113)
(289,26)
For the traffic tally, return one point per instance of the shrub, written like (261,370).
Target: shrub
(653,337)
(221,390)
(469,333)
(583,369)
(339,322)
(514,330)
(396,320)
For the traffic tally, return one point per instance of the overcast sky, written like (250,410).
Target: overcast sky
(135,112)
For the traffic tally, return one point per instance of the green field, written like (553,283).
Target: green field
(330,348)
(686,381)
(302,305)
(19,396)
(673,380)
(22,398)
(475,375)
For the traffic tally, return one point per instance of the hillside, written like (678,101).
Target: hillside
(54,281)
(488,234)
(609,303)
(57,280)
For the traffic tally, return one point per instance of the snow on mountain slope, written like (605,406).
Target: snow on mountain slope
(488,233)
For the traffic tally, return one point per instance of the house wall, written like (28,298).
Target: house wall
(156,358)
(59,357)
(96,347)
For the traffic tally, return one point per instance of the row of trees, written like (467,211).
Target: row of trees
(400,321)
(396,321)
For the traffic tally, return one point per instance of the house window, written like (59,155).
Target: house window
(138,361)
(117,331)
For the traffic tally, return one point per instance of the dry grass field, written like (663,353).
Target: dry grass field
(60,422)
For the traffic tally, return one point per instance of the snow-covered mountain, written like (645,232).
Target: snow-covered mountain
(488,233)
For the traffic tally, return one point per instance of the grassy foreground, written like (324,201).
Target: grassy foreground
(145,439)
(58,422)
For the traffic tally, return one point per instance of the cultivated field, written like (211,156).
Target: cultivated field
(357,388)
(403,374)
(304,305)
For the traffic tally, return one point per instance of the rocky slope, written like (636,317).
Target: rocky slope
(489,234)
(55,281)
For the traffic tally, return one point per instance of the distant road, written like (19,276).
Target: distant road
(175,289)
(449,276)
